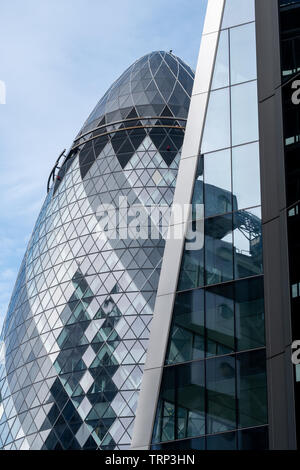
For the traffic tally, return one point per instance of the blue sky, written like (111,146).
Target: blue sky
(57,58)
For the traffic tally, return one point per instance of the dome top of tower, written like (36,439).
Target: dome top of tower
(157,84)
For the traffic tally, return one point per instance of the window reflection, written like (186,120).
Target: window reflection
(221,313)
(237,12)
(217,177)
(247,243)
(243,53)
(247,439)
(181,409)
(227,393)
(221,403)
(218,249)
(256,438)
(246,175)
(220,320)
(192,270)
(187,330)
(232,320)
(244,113)
(221,72)
(226,441)
(233,249)
(186,444)
(249,311)
(251,388)
(217,125)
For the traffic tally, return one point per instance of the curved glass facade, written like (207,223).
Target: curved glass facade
(151,83)
(74,340)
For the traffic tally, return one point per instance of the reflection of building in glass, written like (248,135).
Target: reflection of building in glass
(76,332)
(221,372)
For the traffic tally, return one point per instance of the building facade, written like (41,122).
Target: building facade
(75,336)
(222,376)
(83,364)
(289,23)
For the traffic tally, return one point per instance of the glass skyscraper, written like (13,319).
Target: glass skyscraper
(75,336)
(147,343)
(226,314)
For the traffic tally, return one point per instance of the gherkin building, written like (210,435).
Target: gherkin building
(74,340)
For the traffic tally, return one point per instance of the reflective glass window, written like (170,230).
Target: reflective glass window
(226,441)
(192,269)
(249,311)
(246,176)
(247,243)
(221,72)
(220,389)
(186,444)
(253,439)
(252,388)
(243,53)
(217,178)
(218,249)
(237,12)
(244,113)
(187,330)
(181,407)
(217,125)
(219,320)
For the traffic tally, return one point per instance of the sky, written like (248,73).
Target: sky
(57,58)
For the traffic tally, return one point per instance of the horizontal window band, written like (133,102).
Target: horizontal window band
(169,118)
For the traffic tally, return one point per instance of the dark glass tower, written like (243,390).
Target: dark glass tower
(289,16)
(213,391)
(75,336)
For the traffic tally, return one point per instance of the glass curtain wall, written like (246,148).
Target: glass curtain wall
(290,69)
(213,392)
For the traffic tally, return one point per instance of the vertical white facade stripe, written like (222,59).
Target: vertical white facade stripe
(160,326)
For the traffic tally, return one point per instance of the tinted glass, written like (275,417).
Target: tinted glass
(221,72)
(187,330)
(249,311)
(226,441)
(220,320)
(246,175)
(186,444)
(237,12)
(192,270)
(243,53)
(217,177)
(252,388)
(217,125)
(244,113)
(181,405)
(247,243)
(253,439)
(218,249)
(220,389)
